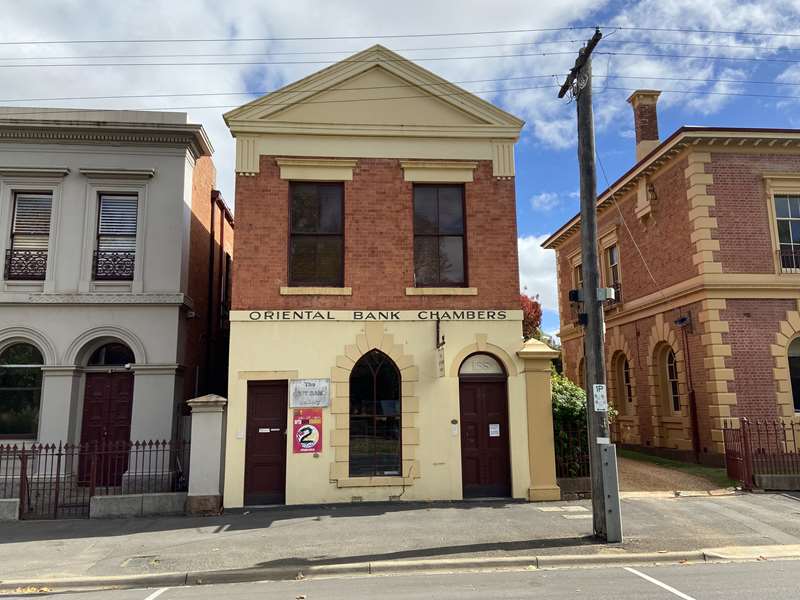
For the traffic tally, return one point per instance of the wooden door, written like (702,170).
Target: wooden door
(106,427)
(265,447)
(485,459)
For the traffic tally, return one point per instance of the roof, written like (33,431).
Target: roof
(71,125)
(678,141)
(308,106)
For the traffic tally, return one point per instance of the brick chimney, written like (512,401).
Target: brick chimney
(645,120)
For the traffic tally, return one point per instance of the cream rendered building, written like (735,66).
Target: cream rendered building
(360,368)
(96,209)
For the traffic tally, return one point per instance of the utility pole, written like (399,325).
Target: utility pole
(602,454)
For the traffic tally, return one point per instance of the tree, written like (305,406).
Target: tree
(531,316)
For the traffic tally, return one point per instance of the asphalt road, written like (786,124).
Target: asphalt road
(775,580)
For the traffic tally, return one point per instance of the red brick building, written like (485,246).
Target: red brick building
(707,315)
(376,287)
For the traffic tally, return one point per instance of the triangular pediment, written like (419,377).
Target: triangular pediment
(373,89)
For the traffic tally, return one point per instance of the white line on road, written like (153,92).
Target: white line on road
(156,594)
(660,584)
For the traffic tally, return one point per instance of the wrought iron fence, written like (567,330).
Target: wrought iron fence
(761,447)
(59,480)
(25,265)
(572,452)
(113,265)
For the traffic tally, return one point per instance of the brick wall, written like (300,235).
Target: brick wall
(197,338)
(665,241)
(753,325)
(379,242)
(742,210)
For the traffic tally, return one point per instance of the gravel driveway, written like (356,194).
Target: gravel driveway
(640,476)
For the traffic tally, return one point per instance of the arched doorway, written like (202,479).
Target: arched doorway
(794,371)
(108,395)
(485,456)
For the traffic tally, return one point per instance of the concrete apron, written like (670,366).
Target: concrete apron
(388,567)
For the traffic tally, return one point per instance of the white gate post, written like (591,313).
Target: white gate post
(207,455)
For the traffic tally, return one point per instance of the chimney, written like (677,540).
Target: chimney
(645,120)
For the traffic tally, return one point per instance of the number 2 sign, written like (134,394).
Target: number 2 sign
(307,430)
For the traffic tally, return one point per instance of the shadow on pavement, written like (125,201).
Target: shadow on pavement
(441,551)
(253,518)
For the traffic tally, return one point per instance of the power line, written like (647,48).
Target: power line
(294,91)
(400,86)
(711,31)
(704,57)
(282,62)
(291,39)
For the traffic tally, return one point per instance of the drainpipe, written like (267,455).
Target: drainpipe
(685,324)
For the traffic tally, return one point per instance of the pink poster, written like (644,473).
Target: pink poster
(307,430)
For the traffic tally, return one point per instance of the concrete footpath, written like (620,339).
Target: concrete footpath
(286,543)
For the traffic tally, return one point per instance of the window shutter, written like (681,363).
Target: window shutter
(117,223)
(31,227)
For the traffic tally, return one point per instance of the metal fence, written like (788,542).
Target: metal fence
(572,452)
(761,447)
(58,480)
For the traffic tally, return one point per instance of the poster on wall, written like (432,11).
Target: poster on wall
(309,393)
(307,430)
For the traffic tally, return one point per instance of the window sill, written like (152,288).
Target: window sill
(20,285)
(352,482)
(316,291)
(673,419)
(120,286)
(441,291)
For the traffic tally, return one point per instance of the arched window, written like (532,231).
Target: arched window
(794,371)
(20,390)
(111,355)
(624,388)
(668,375)
(375,417)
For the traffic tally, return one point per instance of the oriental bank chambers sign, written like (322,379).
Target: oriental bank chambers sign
(377,315)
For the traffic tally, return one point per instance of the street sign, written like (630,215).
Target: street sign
(600,397)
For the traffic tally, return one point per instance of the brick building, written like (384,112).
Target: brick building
(708,315)
(376,348)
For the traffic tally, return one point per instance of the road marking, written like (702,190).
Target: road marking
(156,594)
(575,517)
(660,584)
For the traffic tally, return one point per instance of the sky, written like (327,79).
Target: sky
(520,72)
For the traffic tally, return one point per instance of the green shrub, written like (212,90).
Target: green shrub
(569,404)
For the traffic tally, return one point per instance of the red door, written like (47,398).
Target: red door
(106,427)
(485,459)
(265,446)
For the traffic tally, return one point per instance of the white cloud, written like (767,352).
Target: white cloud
(545,201)
(537,270)
(551,122)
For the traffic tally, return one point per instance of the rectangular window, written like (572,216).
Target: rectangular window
(439,240)
(316,240)
(26,257)
(115,255)
(577,276)
(612,271)
(787,214)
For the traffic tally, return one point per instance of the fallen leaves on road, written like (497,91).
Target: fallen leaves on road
(32,589)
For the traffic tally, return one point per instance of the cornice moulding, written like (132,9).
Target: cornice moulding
(54,172)
(118,173)
(105,299)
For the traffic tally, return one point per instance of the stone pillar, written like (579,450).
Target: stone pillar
(541,448)
(207,454)
(56,408)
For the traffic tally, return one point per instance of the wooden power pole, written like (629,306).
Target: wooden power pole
(602,454)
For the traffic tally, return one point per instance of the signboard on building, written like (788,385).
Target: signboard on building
(309,393)
(270,316)
(440,361)
(307,430)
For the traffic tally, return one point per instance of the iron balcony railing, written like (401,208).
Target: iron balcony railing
(789,260)
(26,265)
(113,265)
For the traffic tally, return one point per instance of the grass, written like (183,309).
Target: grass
(718,476)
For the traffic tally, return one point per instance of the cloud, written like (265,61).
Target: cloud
(545,201)
(537,270)
(551,122)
